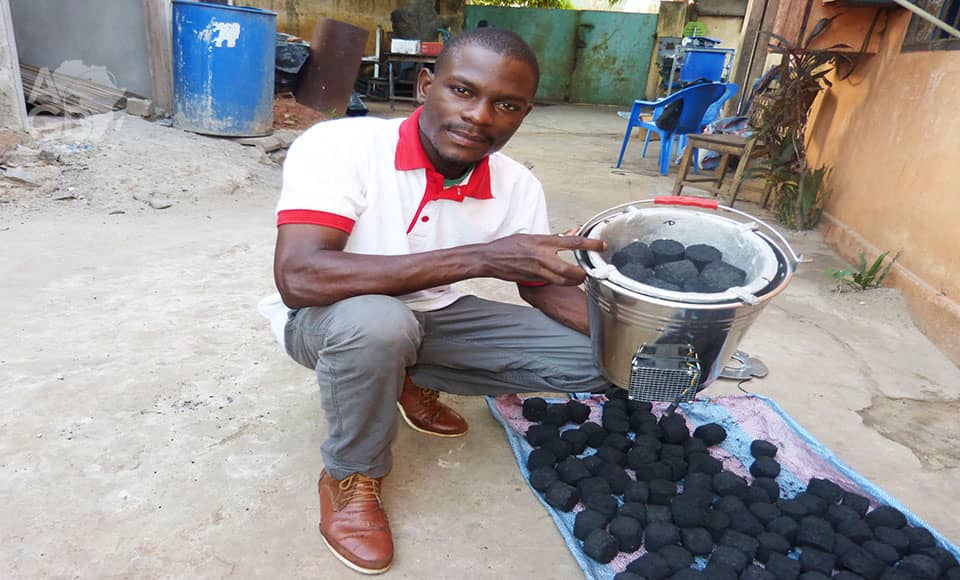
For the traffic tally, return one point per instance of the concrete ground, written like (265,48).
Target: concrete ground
(152,428)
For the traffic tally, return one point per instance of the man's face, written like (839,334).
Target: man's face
(472,106)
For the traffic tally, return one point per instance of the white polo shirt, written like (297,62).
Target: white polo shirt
(372,179)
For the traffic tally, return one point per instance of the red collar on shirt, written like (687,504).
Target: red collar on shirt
(410,155)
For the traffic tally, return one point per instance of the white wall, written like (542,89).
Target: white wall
(100,33)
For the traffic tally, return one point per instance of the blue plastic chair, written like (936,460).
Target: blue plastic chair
(711,115)
(696,100)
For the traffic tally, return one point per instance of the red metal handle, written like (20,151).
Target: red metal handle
(687,200)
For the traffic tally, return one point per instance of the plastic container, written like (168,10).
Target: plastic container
(223,69)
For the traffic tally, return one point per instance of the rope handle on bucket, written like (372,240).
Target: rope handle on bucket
(686,200)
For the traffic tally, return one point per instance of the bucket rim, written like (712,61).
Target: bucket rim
(249,9)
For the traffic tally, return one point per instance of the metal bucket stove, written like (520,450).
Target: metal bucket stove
(663,345)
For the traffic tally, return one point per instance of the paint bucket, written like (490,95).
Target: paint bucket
(223,69)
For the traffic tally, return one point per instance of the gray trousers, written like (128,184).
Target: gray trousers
(362,346)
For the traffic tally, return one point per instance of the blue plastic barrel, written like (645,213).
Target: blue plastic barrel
(702,64)
(223,66)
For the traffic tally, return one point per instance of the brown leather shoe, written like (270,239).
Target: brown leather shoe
(422,410)
(353,523)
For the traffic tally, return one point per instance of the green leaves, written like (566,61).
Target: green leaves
(865,277)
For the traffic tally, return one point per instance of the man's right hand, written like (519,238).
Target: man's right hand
(533,258)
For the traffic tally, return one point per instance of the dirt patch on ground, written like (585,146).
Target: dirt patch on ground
(289,114)
(929,428)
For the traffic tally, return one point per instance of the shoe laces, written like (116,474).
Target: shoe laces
(360,488)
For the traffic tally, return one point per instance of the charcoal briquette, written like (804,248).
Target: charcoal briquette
(678,467)
(662,491)
(769,485)
(537,434)
(560,448)
(814,560)
(541,458)
(861,562)
(951,574)
(813,576)
(710,434)
(945,559)
(542,477)
(815,532)
(603,503)
(627,531)
(678,272)
(920,566)
(593,485)
(637,272)
(893,537)
(601,546)
(754,572)
(616,423)
(660,534)
(590,427)
(651,429)
(785,526)
(533,408)
(638,491)
(634,252)
(635,510)
(615,476)
(697,540)
(761,448)
(615,394)
(596,437)
(659,513)
(885,516)
(664,285)
(838,513)
(703,463)
(651,471)
(651,566)
(703,496)
(717,571)
(593,463)
(562,496)
(688,513)
(729,504)
(672,450)
(644,423)
(698,480)
(746,544)
(615,401)
(765,467)
(842,545)
(586,521)
(783,567)
(612,456)
(628,576)
(702,254)
(674,428)
(727,483)
(856,530)
(556,414)
(677,557)
(579,412)
(639,456)
(768,543)
(634,406)
(688,574)
(847,575)
(577,440)
(856,502)
(665,250)
(815,505)
(619,442)
(730,557)
(825,489)
(765,512)
(717,524)
(919,538)
(755,495)
(720,276)
(883,552)
(793,508)
(694,445)
(895,574)
(571,470)
(746,522)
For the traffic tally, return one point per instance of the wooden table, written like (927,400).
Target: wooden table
(419,60)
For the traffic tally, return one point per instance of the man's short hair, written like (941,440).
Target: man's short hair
(506,43)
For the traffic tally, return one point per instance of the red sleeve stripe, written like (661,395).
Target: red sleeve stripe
(317,218)
(532,284)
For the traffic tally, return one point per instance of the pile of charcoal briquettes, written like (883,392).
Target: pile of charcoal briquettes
(668,265)
(648,482)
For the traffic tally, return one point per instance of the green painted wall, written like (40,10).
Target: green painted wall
(585,56)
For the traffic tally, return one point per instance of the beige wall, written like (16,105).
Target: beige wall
(726,29)
(298,17)
(891,132)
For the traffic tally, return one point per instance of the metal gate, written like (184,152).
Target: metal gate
(585,56)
